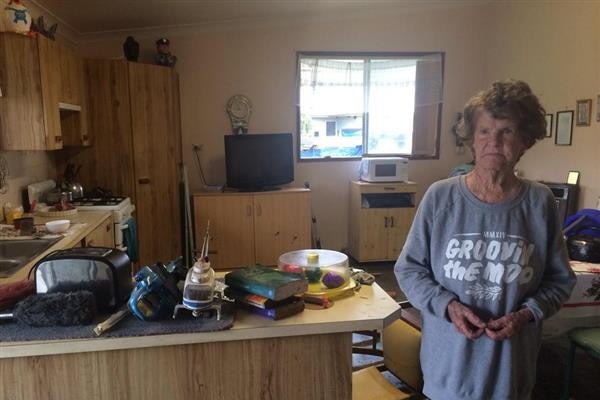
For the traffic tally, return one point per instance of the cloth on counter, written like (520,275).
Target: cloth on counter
(589,224)
(130,240)
(587,288)
(130,326)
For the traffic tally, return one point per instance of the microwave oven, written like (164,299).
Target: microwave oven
(383,169)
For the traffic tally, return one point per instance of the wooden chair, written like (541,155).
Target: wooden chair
(587,339)
(401,345)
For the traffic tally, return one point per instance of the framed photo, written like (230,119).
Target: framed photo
(584,112)
(564,128)
(548,125)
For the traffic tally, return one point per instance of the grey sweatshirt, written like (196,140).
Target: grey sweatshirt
(496,259)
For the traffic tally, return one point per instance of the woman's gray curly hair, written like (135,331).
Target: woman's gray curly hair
(509,99)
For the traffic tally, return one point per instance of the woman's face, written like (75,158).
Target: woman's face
(497,143)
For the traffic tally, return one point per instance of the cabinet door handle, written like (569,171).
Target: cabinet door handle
(391,222)
(248,210)
(58,139)
(144,181)
(389,188)
(385,223)
(258,210)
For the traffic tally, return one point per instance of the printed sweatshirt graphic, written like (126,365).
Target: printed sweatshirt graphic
(488,260)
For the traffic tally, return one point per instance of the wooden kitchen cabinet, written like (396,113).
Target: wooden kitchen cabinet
(102,236)
(380,216)
(253,227)
(135,125)
(32,73)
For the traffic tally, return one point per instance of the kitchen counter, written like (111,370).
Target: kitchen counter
(306,356)
(82,223)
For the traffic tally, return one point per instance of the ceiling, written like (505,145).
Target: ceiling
(89,17)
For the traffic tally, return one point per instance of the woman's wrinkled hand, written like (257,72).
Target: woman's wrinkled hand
(508,325)
(465,320)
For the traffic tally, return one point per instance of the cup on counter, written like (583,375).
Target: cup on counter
(24,225)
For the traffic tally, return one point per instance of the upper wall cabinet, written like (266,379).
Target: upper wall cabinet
(42,103)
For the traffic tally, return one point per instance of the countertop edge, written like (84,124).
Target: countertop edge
(355,313)
(93,219)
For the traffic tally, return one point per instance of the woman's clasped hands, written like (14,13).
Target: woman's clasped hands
(469,324)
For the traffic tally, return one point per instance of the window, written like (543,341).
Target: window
(357,104)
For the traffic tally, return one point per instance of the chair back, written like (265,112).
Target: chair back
(401,347)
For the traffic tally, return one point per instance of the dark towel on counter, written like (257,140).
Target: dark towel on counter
(130,326)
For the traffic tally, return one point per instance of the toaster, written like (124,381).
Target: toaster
(104,271)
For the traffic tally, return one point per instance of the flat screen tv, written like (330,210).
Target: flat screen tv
(259,161)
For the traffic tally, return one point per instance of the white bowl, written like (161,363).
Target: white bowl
(58,226)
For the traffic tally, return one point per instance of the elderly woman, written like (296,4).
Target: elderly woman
(485,261)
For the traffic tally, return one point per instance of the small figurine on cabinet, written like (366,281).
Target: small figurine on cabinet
(39,26)
(163,55)
(16,17)
(131,48)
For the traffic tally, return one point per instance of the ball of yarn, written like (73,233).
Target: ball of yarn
(333,280)
(313,275)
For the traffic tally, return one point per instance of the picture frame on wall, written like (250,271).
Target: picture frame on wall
(584,112)
(548,125)
(564,128)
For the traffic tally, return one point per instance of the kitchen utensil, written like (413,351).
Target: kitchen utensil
(584,248)
(64,309)
(111,321)
(104,271)
(199,286)
(76,190)
(70,184)
(58,226)
(57,194)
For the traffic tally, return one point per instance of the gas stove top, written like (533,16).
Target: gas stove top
(101,203)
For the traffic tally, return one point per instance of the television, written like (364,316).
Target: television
(256,162)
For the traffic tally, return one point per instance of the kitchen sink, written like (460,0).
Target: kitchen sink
(16,253)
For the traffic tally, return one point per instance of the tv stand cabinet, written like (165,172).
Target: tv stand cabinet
(247,228)
(380,216)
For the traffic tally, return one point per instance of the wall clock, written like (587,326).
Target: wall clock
(239,109)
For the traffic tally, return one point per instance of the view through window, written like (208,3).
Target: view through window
(351,105)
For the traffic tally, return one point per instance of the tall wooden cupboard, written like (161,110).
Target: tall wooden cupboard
(135,122)
(248,228)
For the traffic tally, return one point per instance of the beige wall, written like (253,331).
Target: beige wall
(555,46)
(260,62)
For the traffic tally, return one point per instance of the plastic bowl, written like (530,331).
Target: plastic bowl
(58,226)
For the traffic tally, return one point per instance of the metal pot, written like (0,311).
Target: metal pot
(76,190)
(584,248)
(55,195)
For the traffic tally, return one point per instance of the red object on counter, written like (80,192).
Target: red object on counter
(12,293)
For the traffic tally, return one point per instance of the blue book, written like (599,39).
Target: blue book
(268,282)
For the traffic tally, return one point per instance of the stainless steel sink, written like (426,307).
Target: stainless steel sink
(16,253)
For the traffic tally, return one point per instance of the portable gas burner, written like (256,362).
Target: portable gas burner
(199,288)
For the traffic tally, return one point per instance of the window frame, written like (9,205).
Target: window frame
(363,54)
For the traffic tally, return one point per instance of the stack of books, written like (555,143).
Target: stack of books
(266,291)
